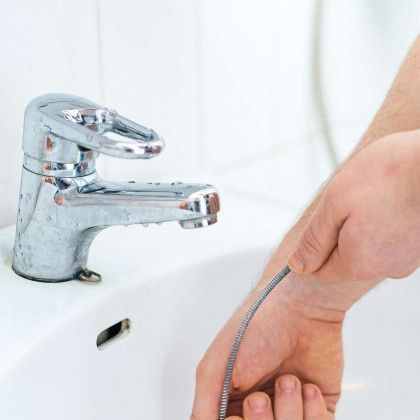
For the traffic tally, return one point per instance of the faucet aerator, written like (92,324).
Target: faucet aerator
(198,223)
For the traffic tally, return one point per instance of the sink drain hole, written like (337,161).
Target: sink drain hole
(113,333)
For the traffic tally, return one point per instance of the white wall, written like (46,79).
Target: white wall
(227,82)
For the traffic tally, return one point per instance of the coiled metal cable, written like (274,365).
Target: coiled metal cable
(224,400)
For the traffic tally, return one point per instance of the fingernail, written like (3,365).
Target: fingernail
(287,385)
(257,403)
(309,392)
(296,264)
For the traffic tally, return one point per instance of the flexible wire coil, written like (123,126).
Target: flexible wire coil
(224,400)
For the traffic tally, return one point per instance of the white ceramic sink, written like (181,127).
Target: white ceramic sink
(177,288)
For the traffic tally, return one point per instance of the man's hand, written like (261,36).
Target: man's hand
(298,329)
(367,223)
(288,335)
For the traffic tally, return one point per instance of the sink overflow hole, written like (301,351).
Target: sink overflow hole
(113,333)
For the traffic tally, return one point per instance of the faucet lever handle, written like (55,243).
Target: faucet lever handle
(86,123)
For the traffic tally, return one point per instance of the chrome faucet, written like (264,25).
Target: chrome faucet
(64,203)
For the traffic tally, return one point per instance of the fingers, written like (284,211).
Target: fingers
(314,407)
(320,236)
(257,406)
(291,402)
(288,398)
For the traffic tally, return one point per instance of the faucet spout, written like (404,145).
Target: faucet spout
(59,217)
(106,203)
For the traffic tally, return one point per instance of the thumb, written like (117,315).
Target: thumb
(319,238)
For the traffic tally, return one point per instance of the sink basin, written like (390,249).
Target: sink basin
(176,288)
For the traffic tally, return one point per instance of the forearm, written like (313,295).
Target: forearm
(399,112)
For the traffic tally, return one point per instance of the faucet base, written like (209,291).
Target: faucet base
(40,280)
(87,276)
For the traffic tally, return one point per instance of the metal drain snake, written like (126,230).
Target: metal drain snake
(224,400)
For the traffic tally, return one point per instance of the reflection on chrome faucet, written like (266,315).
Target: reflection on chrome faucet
(64,203)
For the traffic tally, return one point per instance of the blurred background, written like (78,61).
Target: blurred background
(247,93)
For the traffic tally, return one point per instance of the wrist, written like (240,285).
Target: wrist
(307,295)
